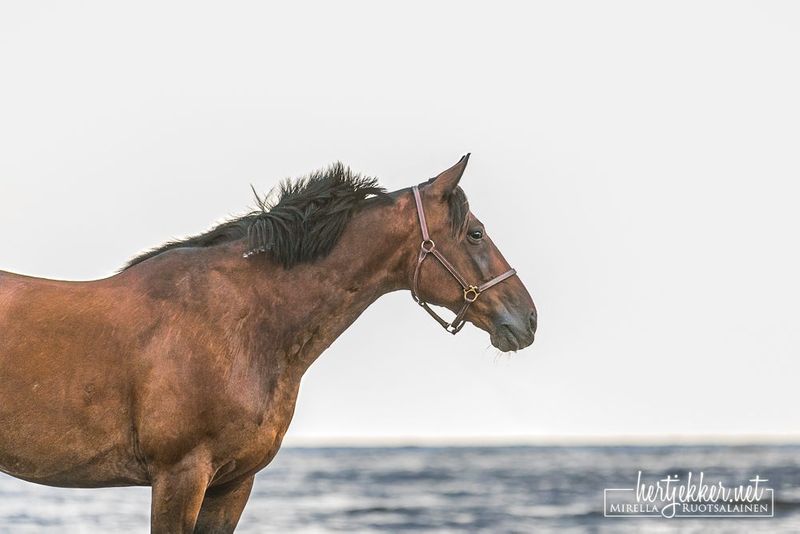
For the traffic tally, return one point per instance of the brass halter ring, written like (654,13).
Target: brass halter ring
(471,293)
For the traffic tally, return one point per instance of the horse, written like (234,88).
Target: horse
(181,371)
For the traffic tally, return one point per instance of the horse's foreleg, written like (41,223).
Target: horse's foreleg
(177,495)
(223,506)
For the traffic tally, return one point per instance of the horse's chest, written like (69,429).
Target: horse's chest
(266,424)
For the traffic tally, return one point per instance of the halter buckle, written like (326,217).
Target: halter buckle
(471,293)
(431,246)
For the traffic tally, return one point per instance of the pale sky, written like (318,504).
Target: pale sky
(637,162)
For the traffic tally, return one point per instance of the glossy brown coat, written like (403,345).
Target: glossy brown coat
(182,372)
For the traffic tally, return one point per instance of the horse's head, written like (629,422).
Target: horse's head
(459,266)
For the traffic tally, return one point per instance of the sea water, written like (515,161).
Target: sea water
(437,489)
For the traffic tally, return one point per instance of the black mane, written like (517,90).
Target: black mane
(302,225)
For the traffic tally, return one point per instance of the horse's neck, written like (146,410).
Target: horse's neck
(305,308)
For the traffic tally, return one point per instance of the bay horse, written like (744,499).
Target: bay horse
(181,371)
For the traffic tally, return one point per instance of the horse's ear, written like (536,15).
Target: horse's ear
(446,182)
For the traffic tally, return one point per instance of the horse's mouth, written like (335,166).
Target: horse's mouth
(505,339)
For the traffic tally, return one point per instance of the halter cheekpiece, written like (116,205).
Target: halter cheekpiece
(471,292)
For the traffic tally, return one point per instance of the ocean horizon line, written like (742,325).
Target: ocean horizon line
(676,440)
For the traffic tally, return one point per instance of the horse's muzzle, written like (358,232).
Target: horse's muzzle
(514,332)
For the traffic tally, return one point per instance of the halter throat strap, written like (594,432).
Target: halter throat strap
(471,292)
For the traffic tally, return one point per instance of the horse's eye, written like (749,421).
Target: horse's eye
(476,235)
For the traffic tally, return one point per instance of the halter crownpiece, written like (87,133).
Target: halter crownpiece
(471,292)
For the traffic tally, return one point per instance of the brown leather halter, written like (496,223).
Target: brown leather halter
(471,292)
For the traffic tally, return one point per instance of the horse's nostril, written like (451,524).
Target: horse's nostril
(533,321)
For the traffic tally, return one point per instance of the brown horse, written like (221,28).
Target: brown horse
(181,372)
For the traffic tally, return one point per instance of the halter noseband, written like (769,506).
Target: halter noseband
(471,292)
